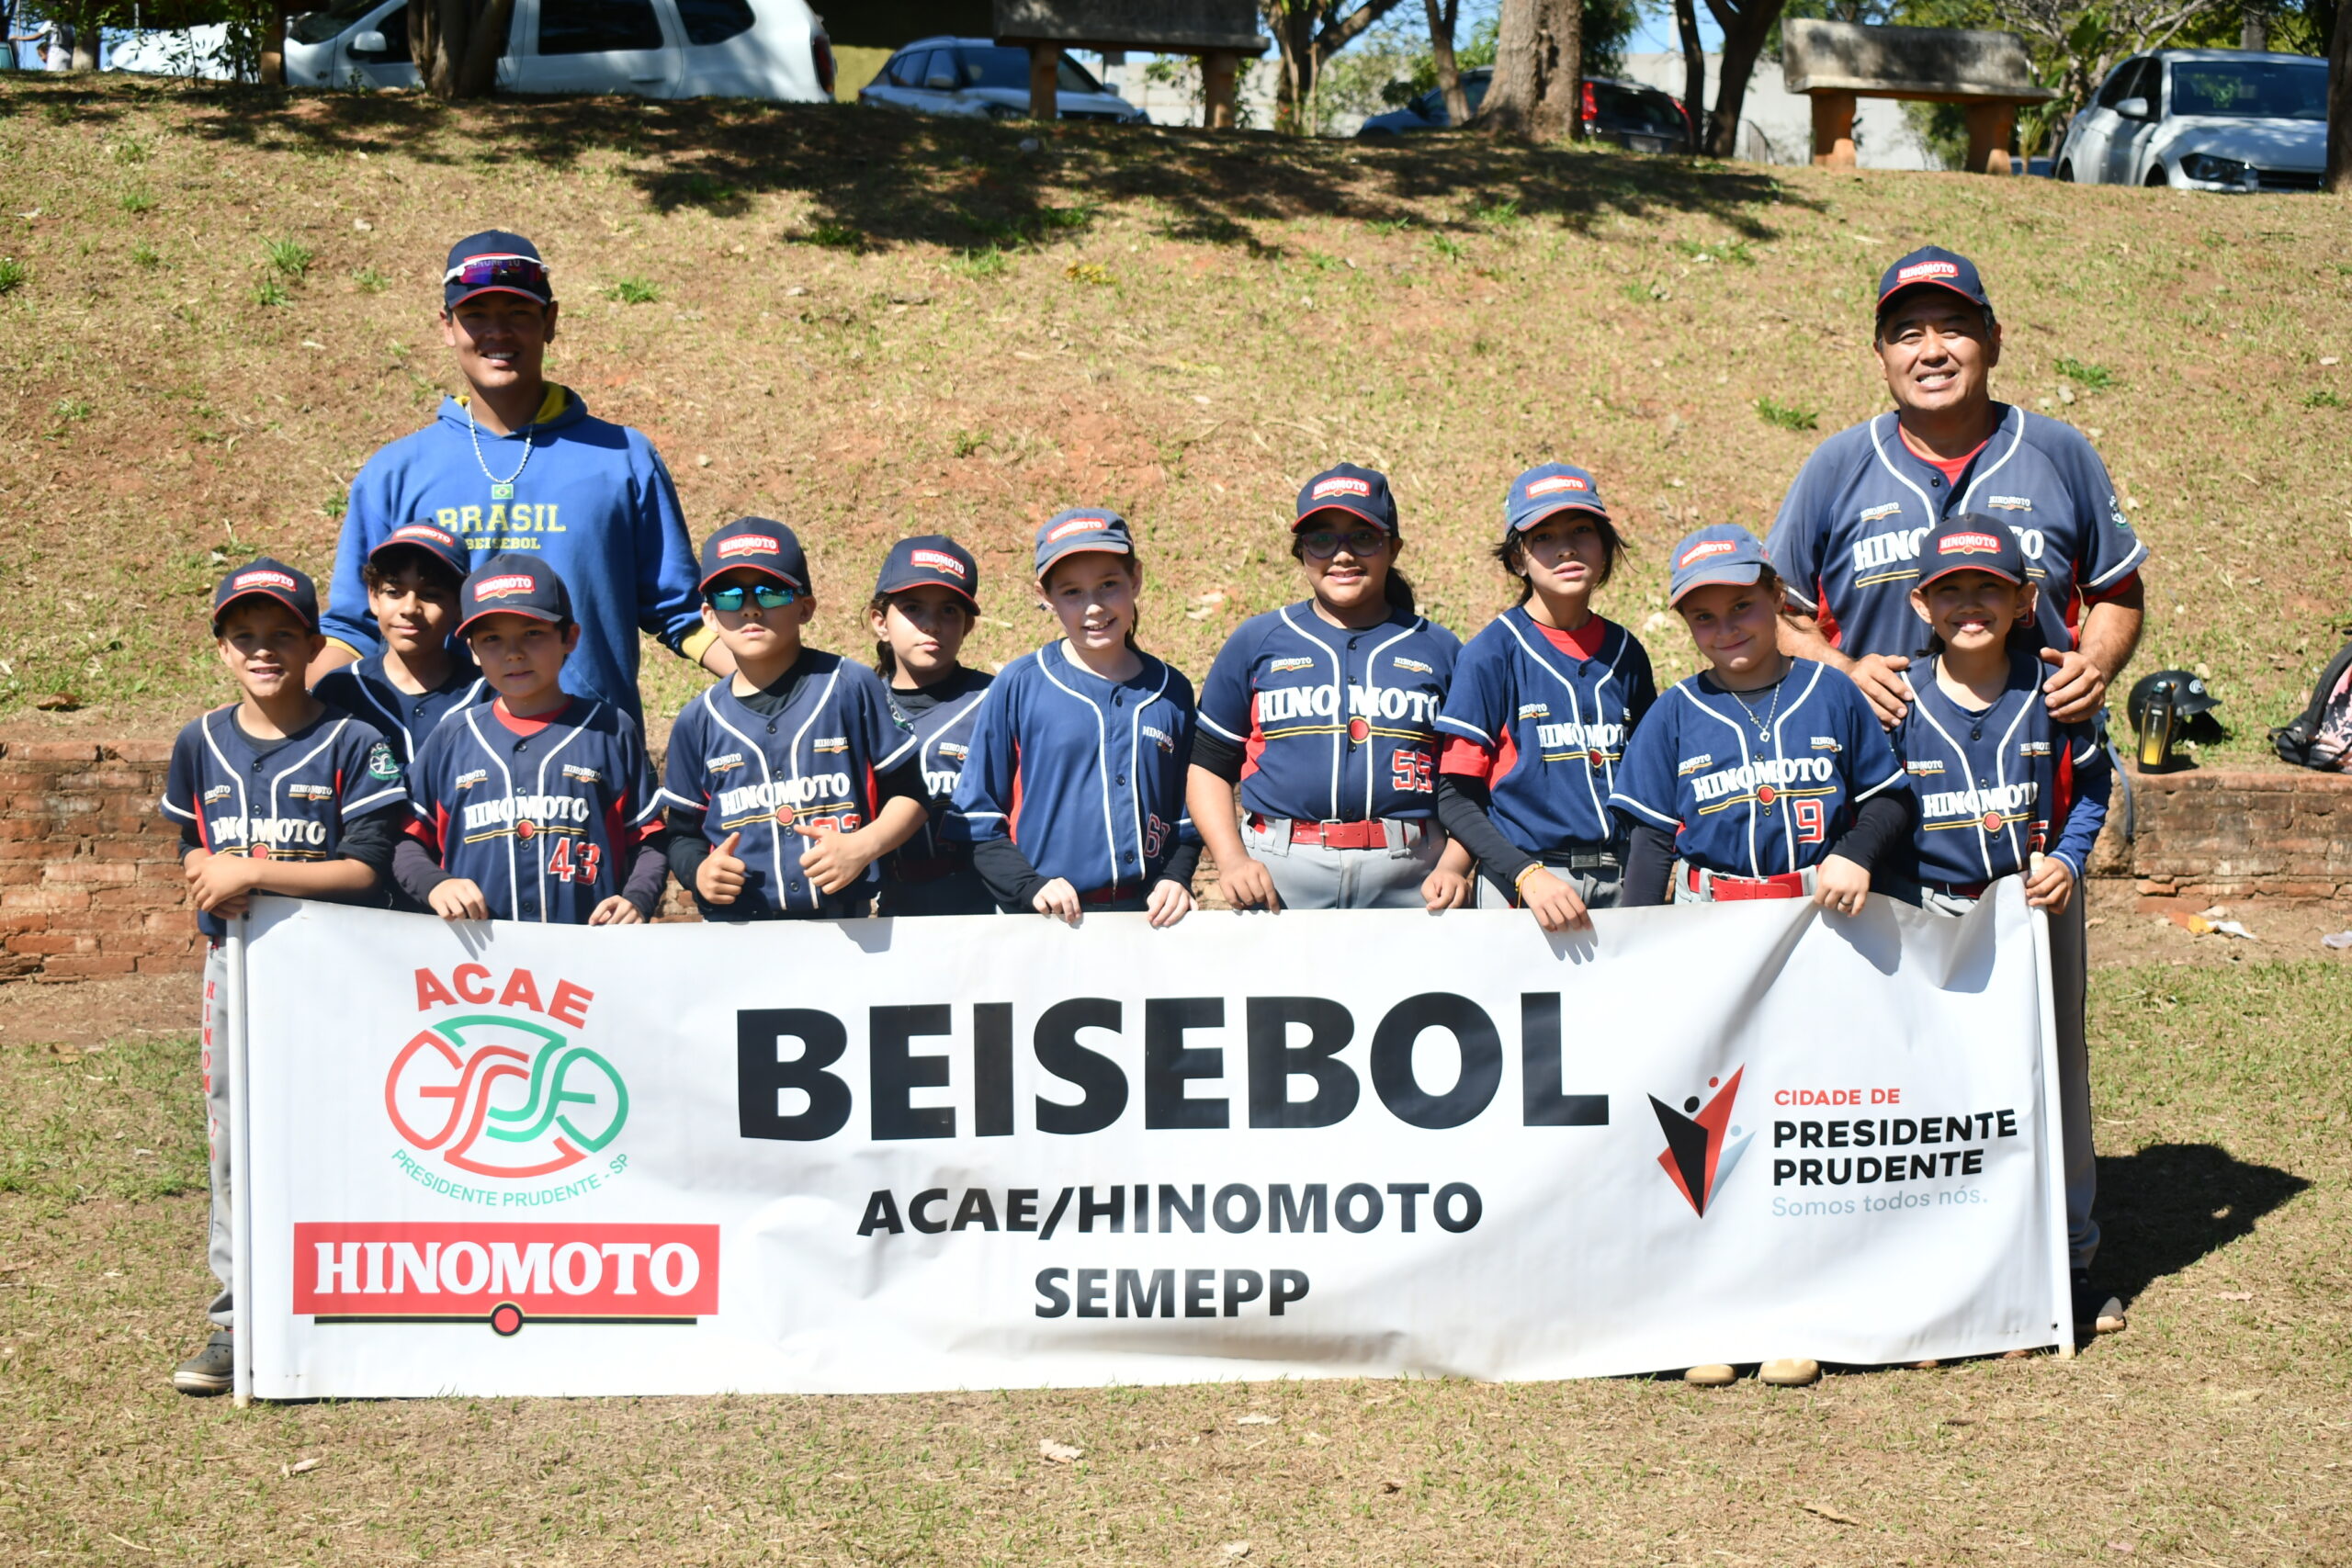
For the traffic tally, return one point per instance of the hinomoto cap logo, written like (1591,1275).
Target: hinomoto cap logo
(1701,1146)
(490,1094)
(1554,483)
(263,579)
(938,561)
(1077,525)
(750,545)
(503,587)
(1705,548)
(1920,271)
(1968,545)
(423,533)
(1339,484)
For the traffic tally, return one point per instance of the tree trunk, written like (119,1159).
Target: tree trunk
(478,75)
(455,26)
(85,48)
(1537,88)
(2339,112)
(1449,73)
(1744,30)
(1293,24)
(273,47)
(1694,77)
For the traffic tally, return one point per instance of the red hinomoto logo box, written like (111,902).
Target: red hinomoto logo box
(505,1275)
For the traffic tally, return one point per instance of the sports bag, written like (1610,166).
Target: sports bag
(2322,737)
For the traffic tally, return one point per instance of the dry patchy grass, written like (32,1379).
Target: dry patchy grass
(866,324)
(2213,1431)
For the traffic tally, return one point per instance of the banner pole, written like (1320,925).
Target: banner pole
(2053,1136)
(240,1207)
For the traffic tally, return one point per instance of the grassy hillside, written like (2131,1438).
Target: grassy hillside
(866,325)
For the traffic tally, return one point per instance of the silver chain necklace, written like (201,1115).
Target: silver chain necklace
(1764,725)
(499,489)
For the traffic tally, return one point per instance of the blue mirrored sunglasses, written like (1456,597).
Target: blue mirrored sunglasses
(766,597)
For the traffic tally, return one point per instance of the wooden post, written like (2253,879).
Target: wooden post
(1990,125)
(1220,68)
(1045,81)
(1833,129)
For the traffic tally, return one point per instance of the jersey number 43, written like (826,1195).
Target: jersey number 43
(574,865)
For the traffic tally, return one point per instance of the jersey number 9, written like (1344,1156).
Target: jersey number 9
(1810,820)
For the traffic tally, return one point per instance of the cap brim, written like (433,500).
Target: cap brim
(529,612)
(1979,301)
(1937,575)
(220,610)
(1522,525)
(965,595)
(785,578)
(1306,517)
(1045,563)
(449,304)
(1736,576)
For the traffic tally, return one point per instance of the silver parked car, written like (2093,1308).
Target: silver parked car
(2204,119)
(977,79)
(655,49)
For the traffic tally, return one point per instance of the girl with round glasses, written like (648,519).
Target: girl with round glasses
(1323,714)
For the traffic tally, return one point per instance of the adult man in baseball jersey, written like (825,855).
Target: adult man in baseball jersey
(1847,547)
(1847,541)
(517,465)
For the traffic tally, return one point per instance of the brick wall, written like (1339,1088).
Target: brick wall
(90,881)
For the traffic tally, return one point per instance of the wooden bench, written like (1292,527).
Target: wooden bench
(1219,33)
(1838,64)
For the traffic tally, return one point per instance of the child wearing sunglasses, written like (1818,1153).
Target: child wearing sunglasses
(787,780)
(1074,791)
(1324,712)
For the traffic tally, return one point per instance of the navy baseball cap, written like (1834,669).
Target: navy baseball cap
(759,544)
(494,262)
(513,583)
(1081,528)
(1931,267)
(1363,492)
(1722,552)
(267,579)
(931,560)
(1970,541)
(433,540)
(1548,487)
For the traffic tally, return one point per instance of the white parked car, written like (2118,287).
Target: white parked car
(2204,119)
(655,49)
(979,79)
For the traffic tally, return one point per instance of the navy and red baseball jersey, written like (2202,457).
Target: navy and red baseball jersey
(1757,784)
(1995,787)
(1847,541)
(543,815)
(1334,724)
(289,799)
(406,718)
(945,716)
(1085,775)
(1542,716)
(816,761)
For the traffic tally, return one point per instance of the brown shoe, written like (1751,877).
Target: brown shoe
(1791,1371)
(1713,1374)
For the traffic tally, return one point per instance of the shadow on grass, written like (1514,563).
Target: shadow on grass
(2166,1207)
(889,179)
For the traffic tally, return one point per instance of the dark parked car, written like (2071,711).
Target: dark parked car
(1638,117)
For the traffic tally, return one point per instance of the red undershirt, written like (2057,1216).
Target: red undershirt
(1952,468)
(1467,758)
(526,727)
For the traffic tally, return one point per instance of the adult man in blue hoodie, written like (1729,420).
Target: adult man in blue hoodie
(519,464)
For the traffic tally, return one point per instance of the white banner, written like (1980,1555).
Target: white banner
(932,1153)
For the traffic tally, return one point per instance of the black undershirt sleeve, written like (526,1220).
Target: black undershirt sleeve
(370,842)
(1182,861)
(686,854)
(649,868)
(1463,805)
(1881,828)
(1649,866)
(1011,880)
(416,871)
(904,781)
(1215,754)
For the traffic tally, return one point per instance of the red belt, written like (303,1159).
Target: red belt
(1733,889)
(1960,889)
(1113,894)
(1367,835)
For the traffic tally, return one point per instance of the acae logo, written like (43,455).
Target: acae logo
(494,1095)
(1701,1146)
